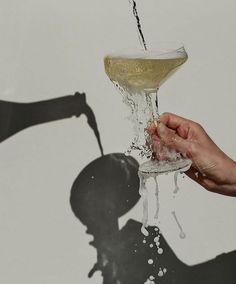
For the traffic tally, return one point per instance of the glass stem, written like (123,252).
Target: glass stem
(155,104)
(151,98)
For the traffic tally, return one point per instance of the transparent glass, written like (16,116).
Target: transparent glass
(138,75)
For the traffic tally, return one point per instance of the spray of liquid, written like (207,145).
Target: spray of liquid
(140,32)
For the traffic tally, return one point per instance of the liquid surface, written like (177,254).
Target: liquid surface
(141,74)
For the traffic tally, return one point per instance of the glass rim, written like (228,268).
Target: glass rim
(159,50)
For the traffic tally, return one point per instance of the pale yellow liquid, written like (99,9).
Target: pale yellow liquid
(137,74)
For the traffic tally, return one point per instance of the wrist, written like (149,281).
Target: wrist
(232,173)
(230,187)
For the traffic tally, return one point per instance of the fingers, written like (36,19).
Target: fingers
(171,120)
(181,125)
(151,129)
(172,139)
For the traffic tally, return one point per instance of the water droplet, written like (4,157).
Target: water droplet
(150,261)
(160,251)
(160,273)
(182,235)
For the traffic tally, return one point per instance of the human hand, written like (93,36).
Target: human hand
(211,167)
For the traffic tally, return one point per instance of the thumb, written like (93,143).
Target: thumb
(172,139)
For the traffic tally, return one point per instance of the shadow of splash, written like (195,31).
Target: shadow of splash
(105,190)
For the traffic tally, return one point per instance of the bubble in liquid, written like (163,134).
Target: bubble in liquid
(151,277)
(151,245)
(144,241)
(160,273)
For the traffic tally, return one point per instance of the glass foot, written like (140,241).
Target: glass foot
(161,167)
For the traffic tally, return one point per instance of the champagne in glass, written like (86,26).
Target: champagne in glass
(138,76)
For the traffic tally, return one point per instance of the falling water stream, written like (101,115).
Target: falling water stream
(144,177)
(139,27)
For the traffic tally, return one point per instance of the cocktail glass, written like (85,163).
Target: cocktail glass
(138,75)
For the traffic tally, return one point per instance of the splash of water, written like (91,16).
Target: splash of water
(182,235)
(176,182)
(157,199)
(144,194)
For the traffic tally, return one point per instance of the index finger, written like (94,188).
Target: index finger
(173,121)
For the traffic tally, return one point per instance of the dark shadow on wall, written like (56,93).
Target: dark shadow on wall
(15,117)
(104,191)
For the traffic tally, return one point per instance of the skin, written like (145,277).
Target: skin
(211,167)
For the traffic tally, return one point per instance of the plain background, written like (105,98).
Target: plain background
(53,48)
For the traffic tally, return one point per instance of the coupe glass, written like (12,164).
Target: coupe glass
(138,75)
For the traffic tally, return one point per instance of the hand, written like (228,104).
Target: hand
(211,167)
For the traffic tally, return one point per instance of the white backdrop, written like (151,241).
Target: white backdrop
(52,48)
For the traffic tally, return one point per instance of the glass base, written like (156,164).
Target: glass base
(161,167)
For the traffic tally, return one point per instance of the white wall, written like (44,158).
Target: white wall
(52,48)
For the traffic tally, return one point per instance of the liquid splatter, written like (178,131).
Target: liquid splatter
(144,194)
(150,261)
(157,198)
(182,235)
(176,182)
(160,251)
(162,272)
